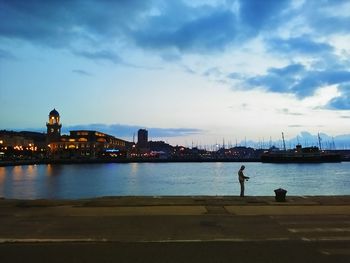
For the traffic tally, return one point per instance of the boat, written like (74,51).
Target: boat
(299,155)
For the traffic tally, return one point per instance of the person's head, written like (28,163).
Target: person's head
(242,167)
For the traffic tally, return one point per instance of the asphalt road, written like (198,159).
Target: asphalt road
(211,238)
(177,252)
(176,232)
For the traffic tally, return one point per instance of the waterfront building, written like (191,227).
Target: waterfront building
(161,149)
(22,145)
(81,143)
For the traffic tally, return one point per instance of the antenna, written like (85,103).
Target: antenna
(319,141)
(284,143)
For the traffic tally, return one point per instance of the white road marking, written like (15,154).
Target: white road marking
(318,229)
(216,240)
(100,240)
(315,239)
(97,240)
(314,223)
(49,240)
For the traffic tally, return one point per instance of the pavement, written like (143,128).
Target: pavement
(176,229)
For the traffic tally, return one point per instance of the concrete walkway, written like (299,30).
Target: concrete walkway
(177,205)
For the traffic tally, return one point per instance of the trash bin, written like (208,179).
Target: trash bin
(280,195)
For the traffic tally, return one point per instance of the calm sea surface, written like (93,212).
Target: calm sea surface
(151,179)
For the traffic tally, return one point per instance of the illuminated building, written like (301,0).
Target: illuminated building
(21,145)
(81,143)
(53,127)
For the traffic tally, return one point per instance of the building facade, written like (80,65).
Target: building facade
(53,127)
(82,143)
(142,141)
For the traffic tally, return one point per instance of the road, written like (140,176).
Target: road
(208,231)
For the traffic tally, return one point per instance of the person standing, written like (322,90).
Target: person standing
(242,178)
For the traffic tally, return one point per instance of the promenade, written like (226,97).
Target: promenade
(176,229)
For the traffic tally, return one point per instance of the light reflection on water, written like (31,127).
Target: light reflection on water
(92,180)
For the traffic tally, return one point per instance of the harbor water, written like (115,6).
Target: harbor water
(77,181)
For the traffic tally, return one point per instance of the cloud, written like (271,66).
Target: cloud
(102,55)
(259,14)
(306,139)
(298,80)
(327,141)
(341,102)
(150,24)
(295,126)
(81,72)
(298,45)
(4,54)
(209,32)
(57,23)
(127,131)
(287,112)
(72,24)
(328,17)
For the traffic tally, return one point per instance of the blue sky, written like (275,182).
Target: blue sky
(187,70)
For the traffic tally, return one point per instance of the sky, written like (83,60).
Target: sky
(199,71)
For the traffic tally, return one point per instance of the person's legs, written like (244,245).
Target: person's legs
(242,189)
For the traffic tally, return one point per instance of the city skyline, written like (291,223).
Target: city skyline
(187,71)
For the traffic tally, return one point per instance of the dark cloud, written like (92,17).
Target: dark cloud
(322,18)
(149,24)
(68,24)
(81,72)
(172,28)
(296,79)
(288,70)
(257,14)
(299,45)
(127,131)
(59,22)
(212,31)
(102,55)
(341,102)
(207,29)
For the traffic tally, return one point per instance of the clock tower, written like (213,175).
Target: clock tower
(53,127)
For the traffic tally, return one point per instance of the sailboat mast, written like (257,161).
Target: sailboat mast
(319,141)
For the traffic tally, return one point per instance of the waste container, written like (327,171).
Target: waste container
(280,195)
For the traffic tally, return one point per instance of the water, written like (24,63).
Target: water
(152,179)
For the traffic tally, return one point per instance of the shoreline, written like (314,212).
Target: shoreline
(102,161)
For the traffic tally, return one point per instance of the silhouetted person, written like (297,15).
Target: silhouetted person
(242,178)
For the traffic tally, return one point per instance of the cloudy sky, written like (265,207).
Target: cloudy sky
(187,70)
